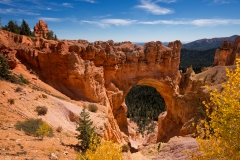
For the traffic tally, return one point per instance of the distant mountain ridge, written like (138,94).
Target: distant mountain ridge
(204,44)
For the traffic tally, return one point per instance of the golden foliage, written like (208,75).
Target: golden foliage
(219,133)
(43,130)
(104,150)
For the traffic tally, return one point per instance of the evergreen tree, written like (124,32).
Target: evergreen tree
(84,127)
(24,29)
(12,27)
(51,36)
(4,68)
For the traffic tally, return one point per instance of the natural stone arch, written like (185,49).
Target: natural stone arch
(103,72)
(167,91)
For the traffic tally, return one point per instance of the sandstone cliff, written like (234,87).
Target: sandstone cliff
(104,72)
(227,53)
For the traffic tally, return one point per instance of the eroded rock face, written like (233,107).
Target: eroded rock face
(104,72)
(223,56)
(41,29)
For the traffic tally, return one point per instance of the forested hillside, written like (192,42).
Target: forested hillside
(197,58)
(144,106)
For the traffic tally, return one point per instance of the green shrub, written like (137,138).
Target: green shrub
(23,80)
(41,110)
(11,101)
(92,108)
(31,126)
(18,89)
(125,148)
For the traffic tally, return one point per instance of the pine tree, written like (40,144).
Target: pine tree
(4,68)
(24,29)
(84,127)
(12,27)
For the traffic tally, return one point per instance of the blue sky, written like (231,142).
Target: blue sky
(129,20)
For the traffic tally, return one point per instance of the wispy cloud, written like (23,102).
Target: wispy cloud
(52,19)
(108,22)
(214,22)
(196,22)
(217,2)
(90,1)
(166,1)
(17,11)
(67,5)
(171,22)
(104,16)
(153,8)
(104,23)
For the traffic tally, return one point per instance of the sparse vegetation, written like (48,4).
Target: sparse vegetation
(43,130)
(41,110)
(23,80)
(92,108)
(31,126)
(85,129)
(18,89)
(11,101)
(125,148)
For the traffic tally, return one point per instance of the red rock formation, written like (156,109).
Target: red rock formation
(41,29)
(104,72)
(223,55)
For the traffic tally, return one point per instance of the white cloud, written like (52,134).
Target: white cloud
(164,22)
(17,11)
(220,1)
(196,22)
(166,1)
(67,5)
(214,22)
(51,19)
(153,8)
(104,16)
(217,2)
(90,1)
(107,22)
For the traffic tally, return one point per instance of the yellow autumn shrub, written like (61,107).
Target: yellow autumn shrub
(43,130)
(219,133)
(101,150)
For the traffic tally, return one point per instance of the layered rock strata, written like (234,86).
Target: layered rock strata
(104,72)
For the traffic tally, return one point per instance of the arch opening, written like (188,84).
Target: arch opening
(144,104)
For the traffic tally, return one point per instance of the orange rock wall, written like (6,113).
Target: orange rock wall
(104,72)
